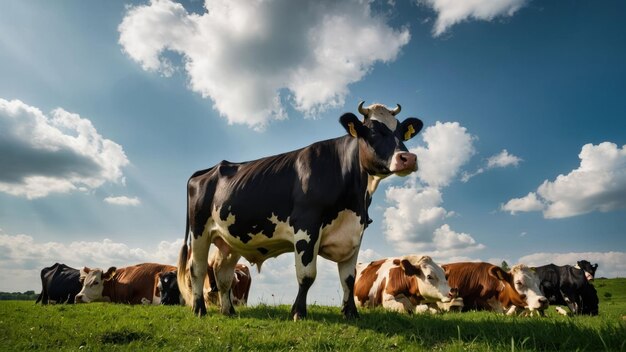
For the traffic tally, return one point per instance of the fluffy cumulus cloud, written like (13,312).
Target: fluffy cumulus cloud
(500,160)
(451,12)
(610,264)
(448,147)
(123,200)
(598,184)
(416,221)
(22,257)
(244,55)
(58,153)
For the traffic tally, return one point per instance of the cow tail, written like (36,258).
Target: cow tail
(184,284)
(43,290)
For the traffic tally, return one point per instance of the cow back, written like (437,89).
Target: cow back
(476,286)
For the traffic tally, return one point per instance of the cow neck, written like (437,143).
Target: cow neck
(108,289)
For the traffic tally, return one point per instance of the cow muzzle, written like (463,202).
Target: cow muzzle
(403,163)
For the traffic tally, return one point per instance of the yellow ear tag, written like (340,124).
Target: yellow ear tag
(409,132)
(351,128)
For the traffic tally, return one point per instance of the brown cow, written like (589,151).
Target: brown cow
(487,286)
(137,284)
(405,284)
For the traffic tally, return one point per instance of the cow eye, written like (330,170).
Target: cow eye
(518,283)
(430,277)
(95,283)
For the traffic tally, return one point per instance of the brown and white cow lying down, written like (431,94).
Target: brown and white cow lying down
(404,284)
(137,284)
(487,286)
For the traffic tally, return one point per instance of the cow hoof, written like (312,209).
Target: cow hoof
(295,315)
(350,314)
(199,308)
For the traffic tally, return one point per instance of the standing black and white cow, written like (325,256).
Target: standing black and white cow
(312,201)
(569,285)
(60,284)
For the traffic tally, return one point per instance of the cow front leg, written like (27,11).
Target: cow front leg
(306,249)
(198,270)
(347,275)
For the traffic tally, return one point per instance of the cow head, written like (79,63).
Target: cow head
(431,279)
(168,288)
(93,284)
(521,286)
(590,270)
(381,140)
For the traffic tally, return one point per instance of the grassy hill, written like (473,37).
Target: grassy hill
(101,326)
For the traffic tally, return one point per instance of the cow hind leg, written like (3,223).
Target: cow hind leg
(199,255)
(306,250)
(347,274)
(224,268)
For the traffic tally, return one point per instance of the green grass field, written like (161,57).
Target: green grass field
(110,327)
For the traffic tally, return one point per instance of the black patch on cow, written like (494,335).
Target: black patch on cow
(299,306)
(349,308)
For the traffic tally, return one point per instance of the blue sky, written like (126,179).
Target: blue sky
(107,108)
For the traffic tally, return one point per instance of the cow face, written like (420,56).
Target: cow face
(168,288)
(590,270)
(431,279)
(526,282)
(381,140)
(93,284)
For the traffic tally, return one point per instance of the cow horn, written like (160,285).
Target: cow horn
(396,111)
(362,110)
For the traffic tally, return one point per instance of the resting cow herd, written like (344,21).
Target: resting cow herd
(314,202)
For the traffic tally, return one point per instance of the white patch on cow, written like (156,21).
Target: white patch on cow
(381,114)
(282,239)
(372,184)
(425,309)
(526,282)
(561,311)
(341,239)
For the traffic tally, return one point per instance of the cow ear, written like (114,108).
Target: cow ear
(595,266)
(109,274)
(84,271)
(410,127)
(353,125)
(409,268)
(498,273)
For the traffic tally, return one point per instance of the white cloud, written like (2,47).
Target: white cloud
(24,255)
(448,147)
(503,159)
(500,160)
(451,12)
(53,154)
(243,54)
(610,264)
(415,221)
(123,200)
(598,184)
(528,203)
